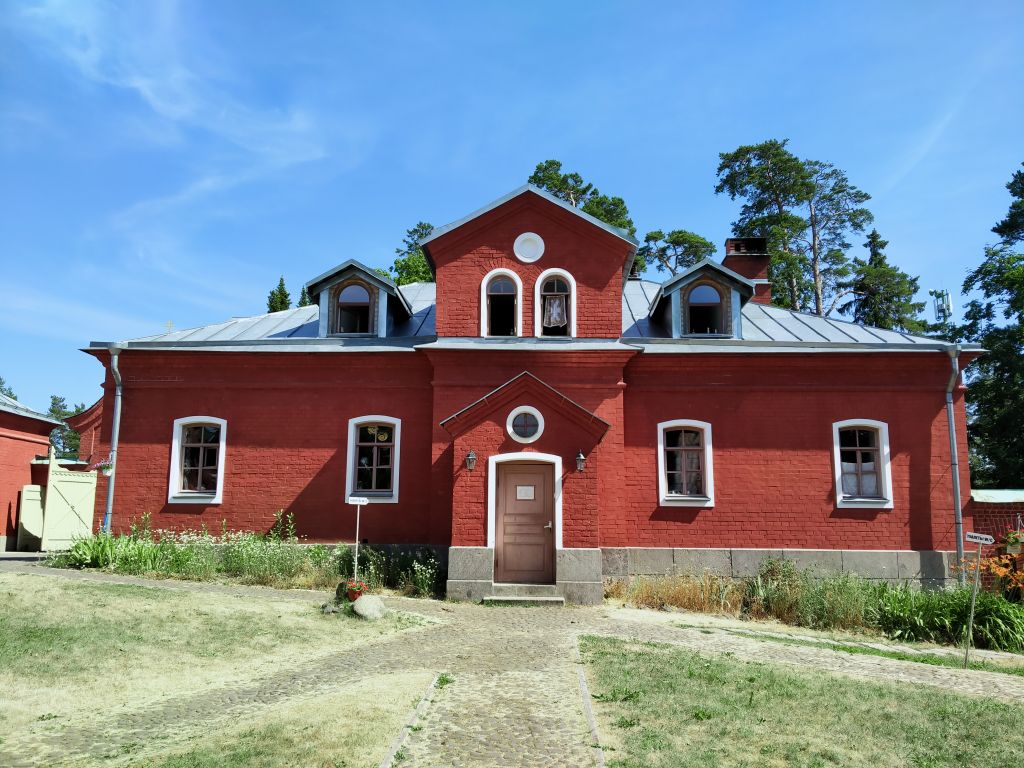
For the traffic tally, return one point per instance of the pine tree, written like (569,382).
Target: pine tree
(304,298)
(278,299)
(6,390)
(411,265)
(883,293)
(64,439)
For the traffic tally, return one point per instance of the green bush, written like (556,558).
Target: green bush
(413,570)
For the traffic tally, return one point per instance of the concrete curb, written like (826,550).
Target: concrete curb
(417,713)
(588,710)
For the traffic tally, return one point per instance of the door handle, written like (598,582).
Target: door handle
(548,525)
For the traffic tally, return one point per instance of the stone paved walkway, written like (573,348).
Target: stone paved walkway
(514,699)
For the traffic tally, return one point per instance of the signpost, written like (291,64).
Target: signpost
(358,501)
(979,539)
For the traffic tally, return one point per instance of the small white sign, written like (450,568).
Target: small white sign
(980,538)
(524,492)
(358,500)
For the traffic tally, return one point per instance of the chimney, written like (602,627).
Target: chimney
(748,256)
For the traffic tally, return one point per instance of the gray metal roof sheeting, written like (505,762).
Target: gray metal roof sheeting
(10,405)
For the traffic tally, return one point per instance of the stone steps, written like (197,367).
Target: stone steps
(524,590)
(553,601)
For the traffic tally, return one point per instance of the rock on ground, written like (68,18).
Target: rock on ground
(369,607)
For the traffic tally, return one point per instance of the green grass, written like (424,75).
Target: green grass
(665,706)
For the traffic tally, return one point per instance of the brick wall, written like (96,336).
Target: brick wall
(993,518)
(21,439)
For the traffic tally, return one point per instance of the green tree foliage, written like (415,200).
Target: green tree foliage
(883,295)
(63,438)
(304,298)
(806,209)
(411,265)
(6,390)
(676,251)
(995,320)
(279,299)
(581,194)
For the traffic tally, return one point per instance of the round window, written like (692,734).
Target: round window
(525,424)
(528,247)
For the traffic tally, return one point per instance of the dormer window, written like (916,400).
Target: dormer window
(705,311)
(500,304)
(353,309)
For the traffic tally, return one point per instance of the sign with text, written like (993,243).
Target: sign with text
(979,538)
(358,500)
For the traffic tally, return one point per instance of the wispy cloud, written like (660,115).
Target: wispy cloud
(27,311)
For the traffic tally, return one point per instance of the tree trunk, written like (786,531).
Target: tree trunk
(819,288)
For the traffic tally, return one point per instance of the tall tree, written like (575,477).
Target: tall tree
(573,189)
(304,298)
(411,265)
(279,299)
(63,438)
(995,320)
(676,251)
(883,294)
(806,209)
(6,390)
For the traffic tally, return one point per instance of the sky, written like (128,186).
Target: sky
(166,162)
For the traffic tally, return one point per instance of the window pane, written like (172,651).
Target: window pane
(384,456)
(383,435)
(850,485)
(869,484)
(190,480)
(691,438)
(673,438)
(364,479)
(704,294)
(847,438)
(501,285)
(193,434)
(693,461)
(866,438)
(695,484)
(210,457)
(364,456)
(673,461)
(525,425)
(555,285)
(191,457)
(383,480)
(368,434)
(354,294)
(849,460)
(211,435)
(675,483)
(209,480)
(867,461)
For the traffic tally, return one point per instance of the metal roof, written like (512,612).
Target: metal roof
(10,405)
(619,233)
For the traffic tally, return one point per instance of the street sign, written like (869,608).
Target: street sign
(360,500)
(979,538)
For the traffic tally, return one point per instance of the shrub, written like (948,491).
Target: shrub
(707,593)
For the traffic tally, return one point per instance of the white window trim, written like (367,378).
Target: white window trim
(492,488)
(525,409)
(483,301)
(885,471)
(175,495)
(350,452)
(676,500)
(538,310)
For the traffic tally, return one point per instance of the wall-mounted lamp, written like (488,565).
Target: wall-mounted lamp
(581,462)
(471,460)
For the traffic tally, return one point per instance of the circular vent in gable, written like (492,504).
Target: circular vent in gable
(528,247)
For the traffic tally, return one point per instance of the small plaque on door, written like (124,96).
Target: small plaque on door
(524,492)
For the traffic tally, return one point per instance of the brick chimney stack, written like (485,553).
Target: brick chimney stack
(748,256)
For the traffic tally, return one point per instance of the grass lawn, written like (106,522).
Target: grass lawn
(663,706)
(74,654)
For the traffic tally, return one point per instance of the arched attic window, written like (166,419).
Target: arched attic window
(705,311)
(353,309)
(555,302)
(501,317)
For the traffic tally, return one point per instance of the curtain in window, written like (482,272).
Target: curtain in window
(554,311)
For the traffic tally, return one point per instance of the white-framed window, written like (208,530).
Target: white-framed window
(374,447)
(686,474)
(861,456)
(525,424)
(554,304)
(198,447)
(501,304)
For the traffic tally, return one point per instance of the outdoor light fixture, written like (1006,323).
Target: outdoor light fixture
(471,460)
(581,461)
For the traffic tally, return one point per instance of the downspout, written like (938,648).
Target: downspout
(115,433)
(954,360)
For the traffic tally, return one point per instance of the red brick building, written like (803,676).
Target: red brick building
(24,435)
(542,417)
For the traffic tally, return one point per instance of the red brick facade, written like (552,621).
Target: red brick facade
(21,440)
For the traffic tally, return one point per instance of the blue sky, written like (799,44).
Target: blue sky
(167,161)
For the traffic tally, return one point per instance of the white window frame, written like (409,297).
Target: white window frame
(538,309)
(175,495)
(350,478)
(884,471)
(524,409)
(677,500)
(483,301)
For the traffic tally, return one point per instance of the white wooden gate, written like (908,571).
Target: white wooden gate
(67,500)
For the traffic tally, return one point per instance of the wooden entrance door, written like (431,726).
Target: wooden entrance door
(524,535)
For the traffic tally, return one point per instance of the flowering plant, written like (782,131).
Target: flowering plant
(1013,536)
(353,585)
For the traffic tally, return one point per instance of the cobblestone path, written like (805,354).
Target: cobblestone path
(514,697)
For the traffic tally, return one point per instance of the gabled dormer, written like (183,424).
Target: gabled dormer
(529,265)
(355,301)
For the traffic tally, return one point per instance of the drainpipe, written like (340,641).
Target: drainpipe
(954,359)
(115,433)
